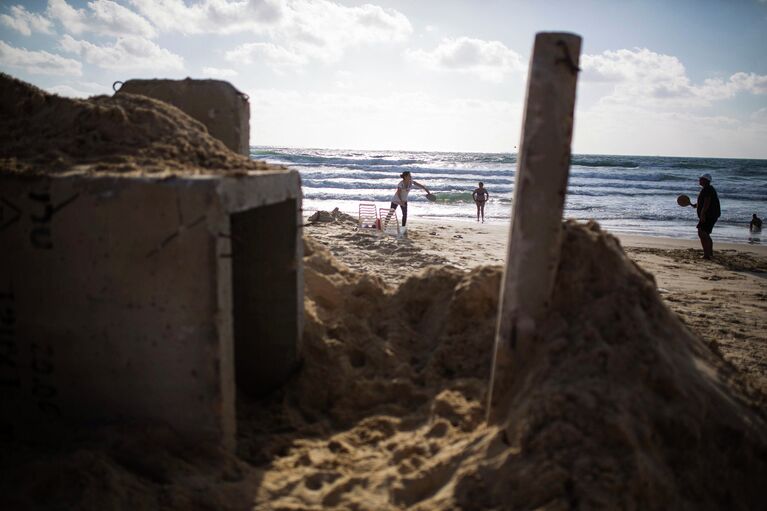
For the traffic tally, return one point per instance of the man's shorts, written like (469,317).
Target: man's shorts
(706,226)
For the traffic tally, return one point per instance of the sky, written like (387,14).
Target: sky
(665,77)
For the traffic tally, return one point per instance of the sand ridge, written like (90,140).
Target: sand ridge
(616,400)
(126,134)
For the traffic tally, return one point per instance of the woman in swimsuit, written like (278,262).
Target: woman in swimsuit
(480,196)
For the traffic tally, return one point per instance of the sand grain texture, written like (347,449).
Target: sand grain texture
(620,406)
(43,133)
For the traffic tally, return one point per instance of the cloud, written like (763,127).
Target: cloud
(395,121)
(488,60)
(79,89)
(632,129)
(324,31)
(327,22)
(73,20)
(125,53)
(25,22)
(739,82)
(301,30)
(639,64)
(761,114)
(211,16)
(38,62)
(276,57)
(216,72)
(103,17)
(641,76)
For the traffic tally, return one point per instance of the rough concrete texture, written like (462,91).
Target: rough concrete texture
(118,295)
(224,110)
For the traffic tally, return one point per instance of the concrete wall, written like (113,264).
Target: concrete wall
(224,110)
(117,300)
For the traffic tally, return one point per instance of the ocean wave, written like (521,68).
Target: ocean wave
(695,166)
(454,197)
(634,191)
(340,161)
(626,176)
(588,161)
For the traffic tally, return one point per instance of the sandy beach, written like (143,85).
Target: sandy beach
(724,301)
(640,353)
(644,389)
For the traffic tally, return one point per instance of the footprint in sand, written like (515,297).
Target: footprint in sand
(316,480)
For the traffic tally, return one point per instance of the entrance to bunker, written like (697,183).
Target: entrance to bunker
(264,273)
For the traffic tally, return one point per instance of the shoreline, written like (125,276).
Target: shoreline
(627,240)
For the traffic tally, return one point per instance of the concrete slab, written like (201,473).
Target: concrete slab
(128,298)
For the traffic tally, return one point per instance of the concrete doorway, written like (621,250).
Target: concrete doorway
(264,275)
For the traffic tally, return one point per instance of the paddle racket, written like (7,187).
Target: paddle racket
(431,197)
(683,200)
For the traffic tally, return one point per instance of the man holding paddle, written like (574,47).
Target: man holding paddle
(708,213)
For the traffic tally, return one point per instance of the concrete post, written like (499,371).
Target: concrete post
(539,193)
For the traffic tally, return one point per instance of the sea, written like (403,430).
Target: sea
(625,194)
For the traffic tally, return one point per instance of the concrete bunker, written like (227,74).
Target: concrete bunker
(134,288)
(140,312)
(224,110)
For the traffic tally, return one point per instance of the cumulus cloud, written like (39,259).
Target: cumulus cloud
(212,16)
(73,20)
(276,57)
(488,60)
(739,82)
(25,22)
(325,31)
(327,24)
(102,17)
(639,64)
(301,30)
(125,53)
(79,89)
(216,72)
(38,62)
(641,76)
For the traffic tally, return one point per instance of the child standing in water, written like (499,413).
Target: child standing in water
(480,196)
(403,189)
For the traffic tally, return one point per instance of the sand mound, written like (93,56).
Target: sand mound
(45,133)
(619,407)
(125,467)
(333,216)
